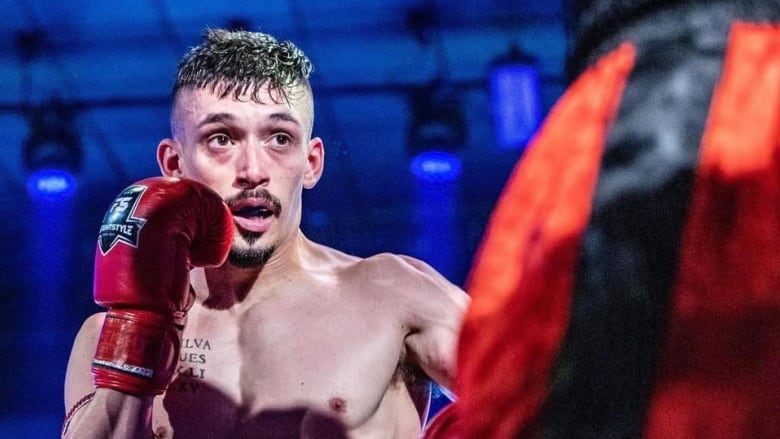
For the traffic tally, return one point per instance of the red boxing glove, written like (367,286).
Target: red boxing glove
(152,235)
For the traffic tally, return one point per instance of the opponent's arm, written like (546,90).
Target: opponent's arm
(154,233)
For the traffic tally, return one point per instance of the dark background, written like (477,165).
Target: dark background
(109,65)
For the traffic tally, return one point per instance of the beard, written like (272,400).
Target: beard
(250,257)
(253,257)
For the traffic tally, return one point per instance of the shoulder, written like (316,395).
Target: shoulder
(406,278)
(321,258)
(394,261)
(397,268)
(410,279)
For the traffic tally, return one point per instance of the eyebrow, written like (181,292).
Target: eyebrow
(215,118)
(227,117)
(286,117)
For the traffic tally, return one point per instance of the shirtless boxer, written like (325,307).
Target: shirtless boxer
(288,338)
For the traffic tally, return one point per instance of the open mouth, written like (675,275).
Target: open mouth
(253,212)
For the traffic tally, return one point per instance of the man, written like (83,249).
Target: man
(288,338)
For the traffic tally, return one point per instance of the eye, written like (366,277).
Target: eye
(281,139)
(219,140)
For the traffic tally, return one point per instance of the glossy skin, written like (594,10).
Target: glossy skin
(312,342)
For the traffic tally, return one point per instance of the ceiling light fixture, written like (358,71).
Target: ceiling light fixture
(52,152)
(437,131)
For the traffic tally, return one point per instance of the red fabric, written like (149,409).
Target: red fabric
(523,276)
(720,370)
(445,424)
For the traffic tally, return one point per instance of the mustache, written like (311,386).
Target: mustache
(261,194)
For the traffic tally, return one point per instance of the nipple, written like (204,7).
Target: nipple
(338,405)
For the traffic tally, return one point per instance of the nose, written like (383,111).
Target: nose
(252,167)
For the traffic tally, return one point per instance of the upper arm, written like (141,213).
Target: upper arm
(435,309)
(78,377)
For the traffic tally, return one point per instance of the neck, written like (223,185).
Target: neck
(227,286)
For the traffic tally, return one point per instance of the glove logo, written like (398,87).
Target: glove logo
(119,225)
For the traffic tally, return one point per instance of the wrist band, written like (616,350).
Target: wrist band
(81,403)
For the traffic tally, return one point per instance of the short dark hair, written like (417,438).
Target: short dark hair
(241,62)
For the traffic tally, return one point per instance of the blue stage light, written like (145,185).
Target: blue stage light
(515,99)
(52,152)
(51,183)
(436,166)
(437,131)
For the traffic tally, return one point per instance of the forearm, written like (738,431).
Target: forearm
(111,414)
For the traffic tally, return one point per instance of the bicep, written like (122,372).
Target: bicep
(78,377)
(434,349)
(436,316)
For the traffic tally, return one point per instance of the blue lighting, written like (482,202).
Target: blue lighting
(516,103)
(436,166)
(51,183)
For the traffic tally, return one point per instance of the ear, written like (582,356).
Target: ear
(168,158)
(316,161)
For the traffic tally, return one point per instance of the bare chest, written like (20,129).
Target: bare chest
(278,362)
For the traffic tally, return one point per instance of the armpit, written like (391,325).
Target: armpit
(417,383)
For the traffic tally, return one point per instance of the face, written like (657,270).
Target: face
(258,157)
